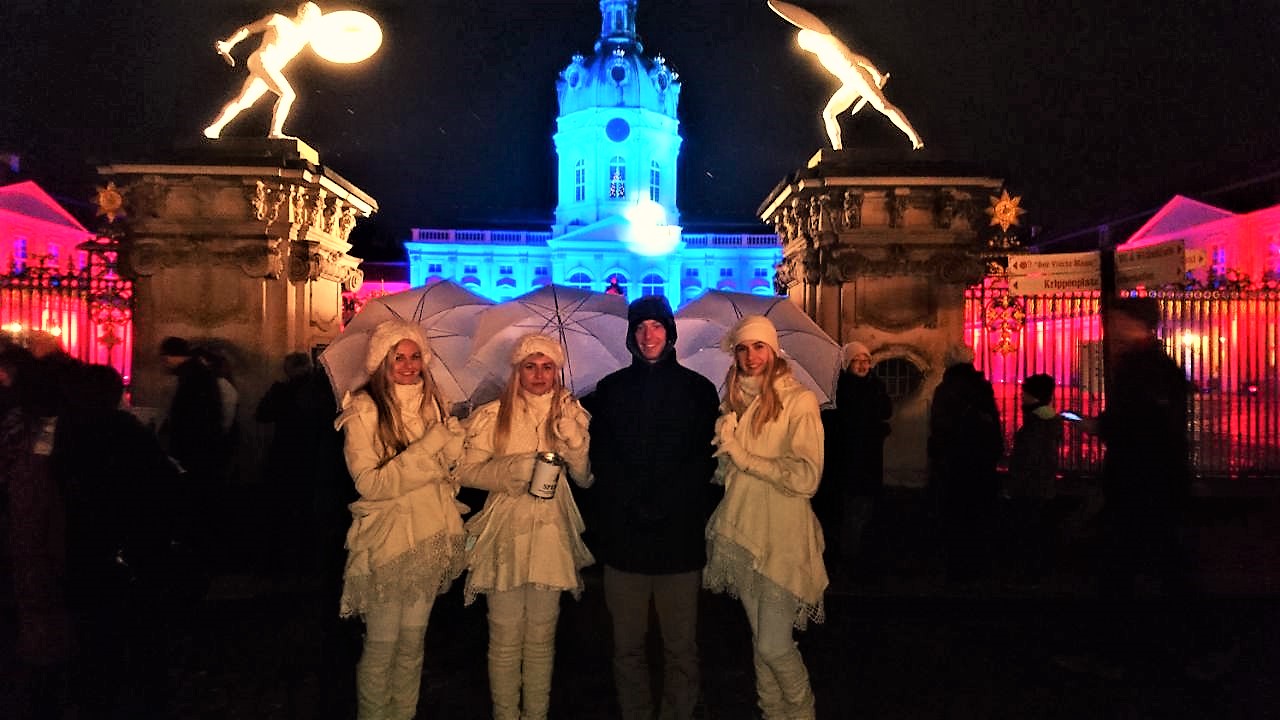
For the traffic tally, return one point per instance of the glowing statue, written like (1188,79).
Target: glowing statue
(282,39)
(863,83)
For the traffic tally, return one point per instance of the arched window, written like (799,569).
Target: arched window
(652,284)
(580,181)
(617,177)
(579,280)
(655,182)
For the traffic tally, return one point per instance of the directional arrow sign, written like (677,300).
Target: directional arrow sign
(1052,284)
(1055,264)
(1151,266)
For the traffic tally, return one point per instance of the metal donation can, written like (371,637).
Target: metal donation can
(546,475)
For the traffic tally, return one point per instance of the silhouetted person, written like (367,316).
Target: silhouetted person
(35,526)
(119,488)
(965,443)
(301,411)
(1031,483)
(191,433)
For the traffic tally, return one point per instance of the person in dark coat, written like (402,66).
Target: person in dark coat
(192,435)
(1033,475)
(965,444)
(1146,469)
(120,492)
(651,429)
(301,410)
(863,409)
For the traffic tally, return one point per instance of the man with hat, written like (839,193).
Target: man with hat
(863,408)
(652,423)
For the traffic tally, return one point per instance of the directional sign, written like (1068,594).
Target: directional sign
(1052,284)
(1055,264)
(1151,266)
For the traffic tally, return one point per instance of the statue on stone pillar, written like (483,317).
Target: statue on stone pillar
(345,36)
(862,82)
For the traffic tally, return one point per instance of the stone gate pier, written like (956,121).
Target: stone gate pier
(240,244)
(880,249)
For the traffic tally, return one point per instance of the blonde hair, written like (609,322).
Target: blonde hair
(770,404)
(507,403)
(391,431)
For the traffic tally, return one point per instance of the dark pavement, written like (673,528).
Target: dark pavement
(899,642)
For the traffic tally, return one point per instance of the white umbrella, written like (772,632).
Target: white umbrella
(447,312)
(591,326)
(700,326)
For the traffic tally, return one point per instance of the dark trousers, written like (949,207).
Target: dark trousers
(675,598)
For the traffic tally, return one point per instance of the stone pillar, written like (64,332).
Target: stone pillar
(240,244)
(881,251)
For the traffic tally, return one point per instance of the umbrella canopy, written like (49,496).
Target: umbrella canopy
(592,327)
(447,313)
(701,325)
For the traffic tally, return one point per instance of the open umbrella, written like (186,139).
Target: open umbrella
(447,313)
(815,358)
(592,327)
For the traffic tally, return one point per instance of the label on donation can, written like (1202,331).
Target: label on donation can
(546,475)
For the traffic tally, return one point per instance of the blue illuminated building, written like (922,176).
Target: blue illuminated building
(617,220)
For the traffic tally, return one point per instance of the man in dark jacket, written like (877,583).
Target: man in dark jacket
(965,443)
(651,430)
(1146,472)
(863,409)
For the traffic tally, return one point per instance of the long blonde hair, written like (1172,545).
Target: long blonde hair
(391,431)
(506,409)
(770,404)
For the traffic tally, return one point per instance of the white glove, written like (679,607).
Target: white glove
(445,438)
(726,426)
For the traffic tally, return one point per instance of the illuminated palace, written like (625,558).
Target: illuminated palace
(617,220)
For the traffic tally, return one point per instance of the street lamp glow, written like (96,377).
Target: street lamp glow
(650,235)
(346,37)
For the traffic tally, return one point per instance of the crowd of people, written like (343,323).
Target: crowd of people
(683,488)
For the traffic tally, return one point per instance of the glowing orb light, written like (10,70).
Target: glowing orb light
(346,36)
(650,234)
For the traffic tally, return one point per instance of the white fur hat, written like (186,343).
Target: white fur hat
(387,335)
(535,343)
(752,328)
(853,349)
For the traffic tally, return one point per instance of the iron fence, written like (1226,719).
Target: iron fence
(1227,343)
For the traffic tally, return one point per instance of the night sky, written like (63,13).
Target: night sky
(1089,109)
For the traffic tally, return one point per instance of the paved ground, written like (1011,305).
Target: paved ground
(899,644)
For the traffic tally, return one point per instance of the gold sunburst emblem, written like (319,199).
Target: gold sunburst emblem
(1004,210)
(110,202)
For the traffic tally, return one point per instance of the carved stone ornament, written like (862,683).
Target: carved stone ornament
(785,276)
(260,261)
(898,208)
(267,201)
(147,197)
(944,210)
(945,267)
(851,210)
(355,279)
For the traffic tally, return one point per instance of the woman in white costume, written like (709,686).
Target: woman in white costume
(525,550)
(405,545)
(764,544)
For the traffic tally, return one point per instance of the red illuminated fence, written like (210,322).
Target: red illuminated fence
(1227,342)
(89,309)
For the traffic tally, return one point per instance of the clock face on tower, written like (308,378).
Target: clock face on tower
(617,130)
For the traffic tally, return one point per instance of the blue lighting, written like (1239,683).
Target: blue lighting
(618,143)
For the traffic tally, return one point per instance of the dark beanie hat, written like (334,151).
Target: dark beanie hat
(1039,387)
(175,347)
(650,307)
(1143,309)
